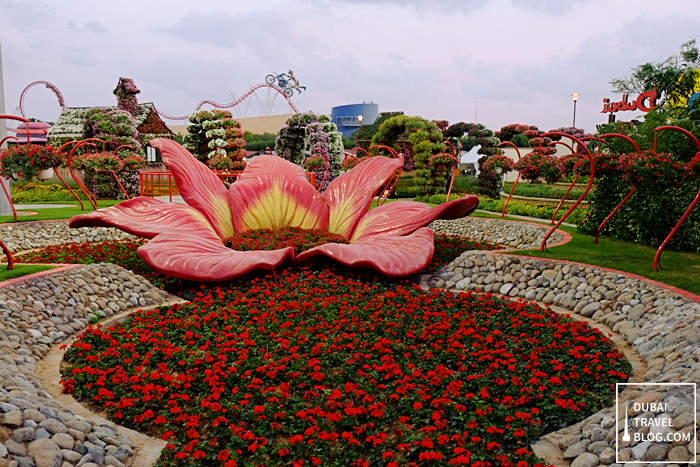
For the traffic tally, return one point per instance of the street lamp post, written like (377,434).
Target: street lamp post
(360,117)
(575,96)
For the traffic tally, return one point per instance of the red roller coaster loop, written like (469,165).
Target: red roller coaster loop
(50,86)
(234,103)
(656,266)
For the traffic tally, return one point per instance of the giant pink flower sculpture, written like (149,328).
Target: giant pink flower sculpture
(272,193)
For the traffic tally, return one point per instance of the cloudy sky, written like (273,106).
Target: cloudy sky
(520,60)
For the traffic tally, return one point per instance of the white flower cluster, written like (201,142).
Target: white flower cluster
(217,143)
(215,133)
(219,152)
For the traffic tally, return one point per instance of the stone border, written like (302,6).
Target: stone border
(659,323)
(519,235)
(60,268)
(22,236)
(36,314)
(148,449)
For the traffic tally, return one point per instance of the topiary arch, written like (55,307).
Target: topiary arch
(426,139)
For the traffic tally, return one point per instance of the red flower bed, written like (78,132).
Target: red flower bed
(296,237)
(326,367)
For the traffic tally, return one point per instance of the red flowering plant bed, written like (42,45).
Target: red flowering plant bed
(333,367)
(447,248)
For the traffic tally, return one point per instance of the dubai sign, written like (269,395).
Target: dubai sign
(644,103)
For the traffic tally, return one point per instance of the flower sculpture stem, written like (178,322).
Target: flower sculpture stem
(82,206)
(8,253)
(12,205)
(114,173)
(543,247)
(656,266)
(517,178)
(81,185)
(455,169)
(386,190)
(633,189)
(566,195)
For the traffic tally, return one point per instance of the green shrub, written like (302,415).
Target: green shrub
(649,215)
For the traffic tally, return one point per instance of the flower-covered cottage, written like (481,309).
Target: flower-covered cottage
(71,124)
(142,122)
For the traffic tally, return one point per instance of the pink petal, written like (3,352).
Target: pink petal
(272,193)
(392,256)
(205,258)
(198,185)
(350,195)
(146,217)
(404,217)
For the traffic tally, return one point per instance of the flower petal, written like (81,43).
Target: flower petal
(392,256)
(272,193)
(205,259)
(146,217)
(198,185)
(405,217)
(350,195)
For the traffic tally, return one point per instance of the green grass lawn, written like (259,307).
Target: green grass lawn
(21,270)
(681,269)
(57,213)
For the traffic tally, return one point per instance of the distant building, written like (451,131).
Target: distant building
(349,118)
(36,130)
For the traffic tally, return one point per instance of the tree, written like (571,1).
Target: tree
(674,77)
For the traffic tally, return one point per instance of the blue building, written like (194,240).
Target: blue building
(348,118)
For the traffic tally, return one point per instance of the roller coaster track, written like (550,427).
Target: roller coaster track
(50,86)
(234,103)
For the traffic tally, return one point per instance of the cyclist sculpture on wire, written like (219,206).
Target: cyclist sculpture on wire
(286,81)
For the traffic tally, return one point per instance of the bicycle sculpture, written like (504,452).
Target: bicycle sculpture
(286,81)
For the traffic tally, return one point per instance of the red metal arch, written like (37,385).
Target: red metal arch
(50,86)
(236,102)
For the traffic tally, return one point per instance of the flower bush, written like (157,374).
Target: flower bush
(307,135)
(350,162)
(314,163)
(133,162)
(535,164)
(225,163)
(96,162)
(606,164)
(113,126)
(508,132)
(443,160)
(25,161)
(426,140)
(214,133)
(307,367)
(694,166)
(576,164)
(126,92)
(660,168)
(498,161)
